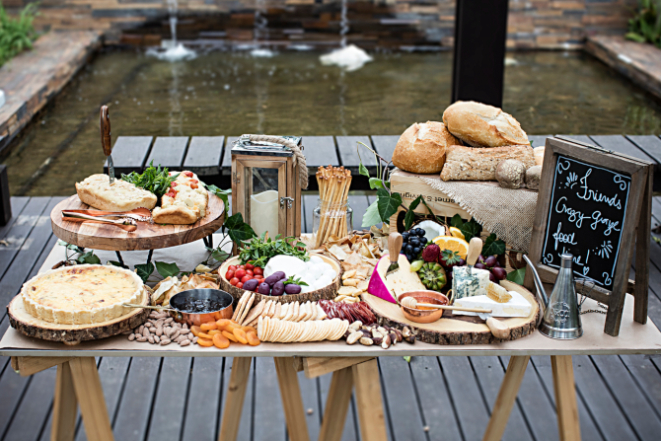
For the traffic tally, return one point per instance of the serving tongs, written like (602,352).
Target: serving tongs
(140,214)
(127,224)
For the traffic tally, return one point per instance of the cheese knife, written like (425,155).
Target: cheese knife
(395,241)
(104,124)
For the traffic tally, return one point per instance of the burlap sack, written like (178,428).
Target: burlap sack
(506,212)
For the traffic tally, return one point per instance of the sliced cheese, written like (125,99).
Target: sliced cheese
(469,282)
(518,306)
(401,280)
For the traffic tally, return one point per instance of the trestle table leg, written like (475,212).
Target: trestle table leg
(337,405)
(236,393)
(292,401)
(506,398)
(89,393)
(369,401)
(565,397)
(65,405)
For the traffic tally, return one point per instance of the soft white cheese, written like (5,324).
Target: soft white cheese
(518,306)
(468,282)
(316,273)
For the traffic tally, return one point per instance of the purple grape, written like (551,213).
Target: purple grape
(493,278)
(481,258)
(497,264)
(462,262)
(491,261)
(480,265)
(499,272)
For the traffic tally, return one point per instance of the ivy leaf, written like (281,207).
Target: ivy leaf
(375,183)
(238,230)
(363,170)
(115,263)
(371,216)
(410,214)
(493,246)
(167,269)
(89,258)
(457,221)
(387,203)
(145,270)
(222,194)
(517,276)
(407,358)
(219,255)
(470,229)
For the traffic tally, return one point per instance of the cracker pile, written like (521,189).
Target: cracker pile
(294,312)
(354,283)
(280,331)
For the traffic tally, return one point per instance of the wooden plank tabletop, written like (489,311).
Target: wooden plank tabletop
(204,155)
(129,154)
(168,151)
(384,145)
(347,146)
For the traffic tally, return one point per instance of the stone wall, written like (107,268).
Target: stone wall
(396,24)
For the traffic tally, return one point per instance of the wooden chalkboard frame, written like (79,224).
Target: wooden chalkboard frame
(635,228)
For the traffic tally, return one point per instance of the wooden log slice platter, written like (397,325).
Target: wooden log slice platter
(457,330)
(146,237)
(33,327)
(327,292)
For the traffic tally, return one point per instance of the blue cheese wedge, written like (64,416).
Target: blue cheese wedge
(469,282)
(518,306)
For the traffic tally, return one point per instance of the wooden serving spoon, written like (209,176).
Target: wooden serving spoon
(410,302)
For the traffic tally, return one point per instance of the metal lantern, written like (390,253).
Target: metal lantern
(266,183)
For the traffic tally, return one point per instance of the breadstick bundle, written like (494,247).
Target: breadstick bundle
(334,183)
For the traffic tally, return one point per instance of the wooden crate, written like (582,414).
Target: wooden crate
(410,186)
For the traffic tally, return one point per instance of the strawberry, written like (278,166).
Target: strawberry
(450,258)
(431,253)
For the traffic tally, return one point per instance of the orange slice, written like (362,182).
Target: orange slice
(452,243)
(456,232)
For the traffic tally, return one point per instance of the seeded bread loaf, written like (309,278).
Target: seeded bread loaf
(97,192)
(421,148)
(481,125)
(474,164)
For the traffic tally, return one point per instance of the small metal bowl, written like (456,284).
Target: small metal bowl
(423,315)
(190,318)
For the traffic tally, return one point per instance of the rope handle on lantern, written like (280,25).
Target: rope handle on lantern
(299,157)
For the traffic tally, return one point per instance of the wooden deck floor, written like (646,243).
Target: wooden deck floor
(430,398)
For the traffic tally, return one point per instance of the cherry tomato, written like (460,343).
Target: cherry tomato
(193,186)
(240,273)
(188,173)
(193,181)
(234,281)
(232,267)
(249,266)
(173,184)
(239,285)
(258,271)
(249,272)
(229,274)
(242,267)
(171,194)
(245,278)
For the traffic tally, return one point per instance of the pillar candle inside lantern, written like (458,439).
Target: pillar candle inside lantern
(264,213)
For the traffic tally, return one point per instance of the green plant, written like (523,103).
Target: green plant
(16,34)
(154,179)
(259,250)
(645,26)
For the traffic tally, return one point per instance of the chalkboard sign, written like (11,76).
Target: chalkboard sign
(587,210)
(596,205)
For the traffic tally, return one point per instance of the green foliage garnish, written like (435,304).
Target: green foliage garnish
(154,179)
(469,229)
(16,34)
(298,282)
(259,250)
(517,276)
(222,194)
(238,230)
(493,246)
(144,270)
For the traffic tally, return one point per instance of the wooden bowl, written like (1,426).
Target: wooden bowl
(328,292)
(423,315)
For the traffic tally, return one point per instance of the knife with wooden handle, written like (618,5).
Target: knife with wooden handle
(104,124)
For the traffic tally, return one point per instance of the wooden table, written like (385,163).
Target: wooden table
(352,366)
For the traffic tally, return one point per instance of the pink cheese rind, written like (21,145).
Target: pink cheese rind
(377,286)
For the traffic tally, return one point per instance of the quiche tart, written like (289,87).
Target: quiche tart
(82,294)
(185,203)
(96,191)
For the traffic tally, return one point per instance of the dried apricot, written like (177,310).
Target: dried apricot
(204,342)
(252,338)
(204,335)
(230,336)
(213,332)
(248,329)
(220,341)
(195,330)
(222,323)
(208,326)
(231,326)
(240,335)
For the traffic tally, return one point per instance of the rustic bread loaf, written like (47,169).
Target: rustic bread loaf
(481,125)
(471,164)
(511,173)
(533,177)
(421,148)
(97,192)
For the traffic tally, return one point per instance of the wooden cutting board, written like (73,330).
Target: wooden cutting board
(33,327)
(458,330)
(146,237)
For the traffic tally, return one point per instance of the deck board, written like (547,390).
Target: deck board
(129,154)
(168,410)
(168,151)
(203,400)
(204,155)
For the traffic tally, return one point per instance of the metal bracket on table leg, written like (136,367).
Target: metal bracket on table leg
(121,261)
(149,256)
(208,241)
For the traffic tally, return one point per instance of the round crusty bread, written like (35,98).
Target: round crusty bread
(481,125)
(421,148)
(97,192)
(175,215)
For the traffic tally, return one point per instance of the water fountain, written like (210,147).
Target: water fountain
(173,51)
(349,57)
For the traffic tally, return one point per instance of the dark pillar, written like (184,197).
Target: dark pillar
(480,34)
(5,203)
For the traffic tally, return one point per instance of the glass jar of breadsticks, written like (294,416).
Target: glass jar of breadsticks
(332,218)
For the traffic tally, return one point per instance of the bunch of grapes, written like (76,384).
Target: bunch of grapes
(496,272)
(413,244)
